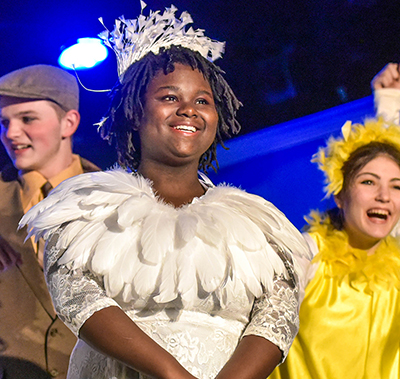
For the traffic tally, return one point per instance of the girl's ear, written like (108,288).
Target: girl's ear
(338,201)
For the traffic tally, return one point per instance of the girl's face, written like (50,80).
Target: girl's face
(180,119)
(371,206)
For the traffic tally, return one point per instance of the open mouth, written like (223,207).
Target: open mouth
(380,214)
(20,147)
(185,128)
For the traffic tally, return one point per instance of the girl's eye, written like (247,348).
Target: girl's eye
(202,101)
(396,187)
(367,182)
(169,98)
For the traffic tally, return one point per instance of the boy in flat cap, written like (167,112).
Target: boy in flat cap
(38,117)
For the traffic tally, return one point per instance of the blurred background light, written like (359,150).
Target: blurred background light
(86,53)
(285,60)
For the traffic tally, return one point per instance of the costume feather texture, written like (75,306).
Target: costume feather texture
(132,39)
(115,226)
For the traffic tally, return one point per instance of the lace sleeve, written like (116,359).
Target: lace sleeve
(76,294)
(275,316)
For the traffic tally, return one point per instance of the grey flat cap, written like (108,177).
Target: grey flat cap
(42,82)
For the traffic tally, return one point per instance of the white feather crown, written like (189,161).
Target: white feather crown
(132,39)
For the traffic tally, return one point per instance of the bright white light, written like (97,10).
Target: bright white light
(87,53)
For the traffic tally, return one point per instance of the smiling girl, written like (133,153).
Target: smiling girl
(350,316)
(158,272)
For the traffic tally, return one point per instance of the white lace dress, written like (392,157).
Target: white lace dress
(195,279)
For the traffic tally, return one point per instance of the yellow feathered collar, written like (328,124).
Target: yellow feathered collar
(381,269)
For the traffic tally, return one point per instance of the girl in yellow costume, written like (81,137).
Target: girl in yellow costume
(350,316)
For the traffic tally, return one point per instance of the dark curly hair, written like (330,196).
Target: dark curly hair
(122,120)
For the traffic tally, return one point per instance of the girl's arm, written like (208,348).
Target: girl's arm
(82,304)
(274,323)
(113,333)
(254,358)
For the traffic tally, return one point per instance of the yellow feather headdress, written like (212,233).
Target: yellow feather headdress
(330,159)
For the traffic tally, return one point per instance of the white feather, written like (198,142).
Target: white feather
(119,181)
(70,231)
(116,257)
(168,280)
(267,217)
(133,209)
(186,274)
(186,226)
(243,270)
(102,198)
(157,238)
(265,272)
(144,248)
(252,207)
(66,210)
(273,223)
(39,232)
(207,229)
(113,284)
(82,245)
(145,280)
(108,247)
(129,259)
(127,293)
(242,231)
(212,266)
(230,290)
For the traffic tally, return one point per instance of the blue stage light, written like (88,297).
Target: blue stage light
(87,53)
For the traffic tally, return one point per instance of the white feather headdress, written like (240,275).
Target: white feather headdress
(132,39)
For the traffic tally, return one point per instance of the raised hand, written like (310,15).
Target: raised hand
(388,77)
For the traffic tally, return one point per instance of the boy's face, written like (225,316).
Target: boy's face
(31,132)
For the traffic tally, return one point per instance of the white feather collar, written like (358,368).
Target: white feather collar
(119,230)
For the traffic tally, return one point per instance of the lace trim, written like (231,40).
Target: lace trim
(275,316)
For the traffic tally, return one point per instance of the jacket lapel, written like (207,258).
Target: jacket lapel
(11,212)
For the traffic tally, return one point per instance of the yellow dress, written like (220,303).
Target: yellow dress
(350,316)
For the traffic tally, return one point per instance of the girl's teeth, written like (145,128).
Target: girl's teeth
(378,213)
(186,128)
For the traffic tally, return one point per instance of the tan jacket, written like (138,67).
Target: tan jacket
(29,327)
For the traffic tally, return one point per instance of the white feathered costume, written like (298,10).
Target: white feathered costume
(195,278)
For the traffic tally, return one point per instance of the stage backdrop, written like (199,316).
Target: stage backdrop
(275,162)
